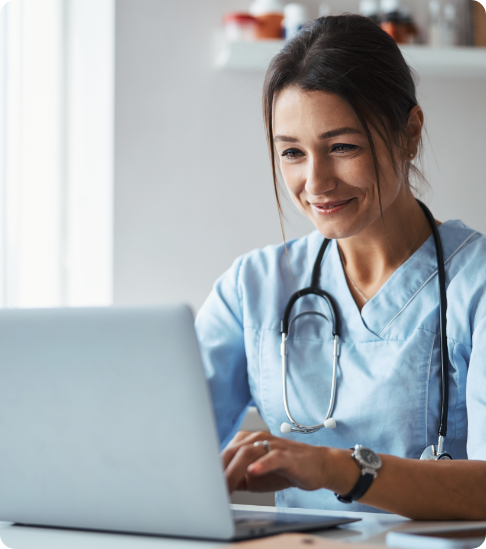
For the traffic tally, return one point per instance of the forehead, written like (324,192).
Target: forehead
(299,110)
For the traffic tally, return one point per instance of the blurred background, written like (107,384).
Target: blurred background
(133,161)
(134,167)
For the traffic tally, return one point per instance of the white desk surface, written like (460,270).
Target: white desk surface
(371,529)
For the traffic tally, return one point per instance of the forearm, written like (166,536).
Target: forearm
(421,490)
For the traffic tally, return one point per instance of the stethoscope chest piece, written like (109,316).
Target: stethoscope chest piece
(433,453)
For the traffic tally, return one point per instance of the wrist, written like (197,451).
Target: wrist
(340,471)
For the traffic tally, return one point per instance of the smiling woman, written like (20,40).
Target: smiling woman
(404,301)
(332,179)
(362,93)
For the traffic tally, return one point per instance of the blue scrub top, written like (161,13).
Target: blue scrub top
(388,385)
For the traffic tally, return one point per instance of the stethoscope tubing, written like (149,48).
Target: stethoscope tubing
(313,289)
(308,428)
(444,351)
(285,329)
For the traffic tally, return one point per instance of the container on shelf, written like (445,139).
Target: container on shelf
(269,16)
(295,15)
(435,24)
(449,28)
(411,32)
(397,21)
(392,20)
(479,21)
(370,9)
(240,27)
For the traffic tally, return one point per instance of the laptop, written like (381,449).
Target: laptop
(106,423)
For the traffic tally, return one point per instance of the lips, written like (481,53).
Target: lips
(328,208)
(330,205)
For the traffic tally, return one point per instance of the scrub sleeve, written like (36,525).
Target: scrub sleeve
(219,327)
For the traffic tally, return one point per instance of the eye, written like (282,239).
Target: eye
(343,147)
(291,153)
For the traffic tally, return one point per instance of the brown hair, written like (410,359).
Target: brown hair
(353,58)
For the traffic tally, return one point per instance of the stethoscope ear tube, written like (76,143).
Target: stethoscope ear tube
(444,352)
(284,324)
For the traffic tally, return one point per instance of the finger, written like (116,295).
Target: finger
(238,468)
(276,460)
(241,439)
(241,435)
(300,469)
(234,445)
(272,482)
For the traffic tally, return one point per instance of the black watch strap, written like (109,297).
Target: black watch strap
(359,490)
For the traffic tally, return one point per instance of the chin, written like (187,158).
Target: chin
(333,231)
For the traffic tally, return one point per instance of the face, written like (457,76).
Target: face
(327,165)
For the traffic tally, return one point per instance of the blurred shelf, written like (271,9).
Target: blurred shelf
(248,55)
(449,62)
(460,62)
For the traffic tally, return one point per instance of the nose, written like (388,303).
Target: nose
(320,177)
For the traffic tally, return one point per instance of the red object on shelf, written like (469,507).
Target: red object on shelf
(243,18)
(396,31)
(240,26)
(269,26)
(400,27)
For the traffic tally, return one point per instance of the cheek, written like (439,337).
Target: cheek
(294,177)
(358,172)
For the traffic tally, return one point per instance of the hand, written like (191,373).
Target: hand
(287,464)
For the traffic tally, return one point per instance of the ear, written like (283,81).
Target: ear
(414,131)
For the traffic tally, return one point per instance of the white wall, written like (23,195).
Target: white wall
(192,179)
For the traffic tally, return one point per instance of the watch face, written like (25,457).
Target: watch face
(368,458)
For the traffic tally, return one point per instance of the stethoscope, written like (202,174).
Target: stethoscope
(431,452)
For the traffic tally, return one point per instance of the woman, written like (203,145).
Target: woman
(344,127)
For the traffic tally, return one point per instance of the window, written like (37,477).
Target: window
(56,152)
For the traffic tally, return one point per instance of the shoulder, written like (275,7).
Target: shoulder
(465,258)
(464,251)
(273,260)
(264,278)
(457,237)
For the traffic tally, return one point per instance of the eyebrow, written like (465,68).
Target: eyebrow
(326,135)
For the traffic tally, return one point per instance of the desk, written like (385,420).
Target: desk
(371,529)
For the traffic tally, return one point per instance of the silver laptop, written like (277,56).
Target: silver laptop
(106,423)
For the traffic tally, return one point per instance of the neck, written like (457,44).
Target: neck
(373,255)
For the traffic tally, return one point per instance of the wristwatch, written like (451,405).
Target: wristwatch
(369,463)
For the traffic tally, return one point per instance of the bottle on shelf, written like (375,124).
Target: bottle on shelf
(239,27)
(269,16)
(392,20)
(370,9)
(295,15)
(479,22)
(449,29)
(410,29)
(435,24)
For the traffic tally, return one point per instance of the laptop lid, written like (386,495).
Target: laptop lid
(106,423)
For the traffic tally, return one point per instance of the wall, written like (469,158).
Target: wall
(192,178)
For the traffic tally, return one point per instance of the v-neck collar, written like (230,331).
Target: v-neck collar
(397,292)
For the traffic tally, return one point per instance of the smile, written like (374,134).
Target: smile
(329,208)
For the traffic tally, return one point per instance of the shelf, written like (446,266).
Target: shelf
(446,62)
